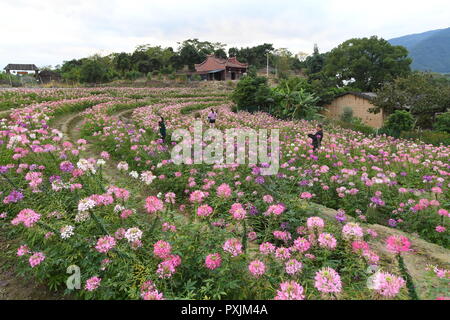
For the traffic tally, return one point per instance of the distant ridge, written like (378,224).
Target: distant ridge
(429,50)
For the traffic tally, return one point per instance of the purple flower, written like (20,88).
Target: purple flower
(66,166)
(341,217)
(392,223)
(256,171)
(259,180)
(3,169)
(13,197)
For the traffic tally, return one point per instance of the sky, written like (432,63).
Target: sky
(48,32)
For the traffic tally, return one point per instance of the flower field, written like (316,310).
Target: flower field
(86,181)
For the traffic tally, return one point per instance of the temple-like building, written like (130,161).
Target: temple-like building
(214,68)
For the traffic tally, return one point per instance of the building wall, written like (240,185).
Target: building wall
(360,107)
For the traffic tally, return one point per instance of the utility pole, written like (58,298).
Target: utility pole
(267,69)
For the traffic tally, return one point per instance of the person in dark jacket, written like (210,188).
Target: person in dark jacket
(317,137)
(162,129)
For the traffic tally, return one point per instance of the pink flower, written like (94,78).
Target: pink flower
(36,259)
(327,240)
(315,223)
(387,284)
(92,283)
(290,290)
(105,244)
(213,261)
(301,244)
(153,204)
(275,210)
(166,269)
(238,211)
(440,229)
(327,280)
(443,212)
(306,195)
(204,210)
(359,246)
(162,249)
(352,231)
(282,253)
(257,268)
(26,216)
(152,295)
(233,246)
(268,198)
(266,248)
(23,250)
(224,191)
(198,196)
(293,266)
(397,244)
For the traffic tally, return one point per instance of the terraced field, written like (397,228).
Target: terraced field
(86,181)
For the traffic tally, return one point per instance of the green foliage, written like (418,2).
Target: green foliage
(428,137)
(253,94)
(443,122)
(347,115)
(293,101)
(418,93)
(369,62)
(132,75)
(399,121)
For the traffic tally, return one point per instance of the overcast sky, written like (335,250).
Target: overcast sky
(47,32)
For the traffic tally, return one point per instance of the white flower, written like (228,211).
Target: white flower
(122,166)
(86,204)
(67,232)
(147,177)
(118,208)
(159,195)
(159,165)
(101,162)
(134,174)
(82,216)
(133,234)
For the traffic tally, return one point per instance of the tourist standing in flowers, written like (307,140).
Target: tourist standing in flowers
(162,129)
(212,116)
(317,137)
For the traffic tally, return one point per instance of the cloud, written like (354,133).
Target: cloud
(51,31)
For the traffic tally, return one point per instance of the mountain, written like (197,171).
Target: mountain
(430,50)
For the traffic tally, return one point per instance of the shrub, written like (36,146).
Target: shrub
(397,122)
(252,93)
(428,137)
(149,76)
(347,115)
(132,75)
(443,122)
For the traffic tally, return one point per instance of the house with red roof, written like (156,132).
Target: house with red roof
(214,68)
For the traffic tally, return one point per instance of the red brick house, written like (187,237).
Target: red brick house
(214,68)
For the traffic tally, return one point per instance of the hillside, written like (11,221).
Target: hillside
(430,50)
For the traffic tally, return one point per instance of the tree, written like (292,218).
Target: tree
(283,62)
(122,62)
(314,64)
(95,70)
(443,122)
(252,94)
(367,62)
(417,93)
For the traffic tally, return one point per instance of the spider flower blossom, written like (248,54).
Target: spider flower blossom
(238,211)
(92,283)
(224,191)
(133,234)
(162,249)
(327,280)
(105,244)
(27,217)
(290,290)
(293,266)
(266,248)
(352,231)
(315,223)
(301,244)
(257,268)
(327,240)
(153,204)
(204,210)
(213,261)
(233,246)
(36,259)
(386,284)
(397,244)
